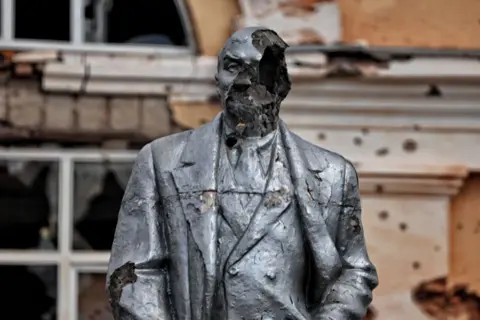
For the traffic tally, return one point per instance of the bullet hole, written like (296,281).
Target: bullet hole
(357,141)
(416,265)
(383,215)
(410,145)
(433,91)
(379,189)
(403,226)
(436,248)
(322,136)
(382,152)
(231,142)
(365,131)
(459,226)
(416,127)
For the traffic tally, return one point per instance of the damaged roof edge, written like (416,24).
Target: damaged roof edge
(386,53)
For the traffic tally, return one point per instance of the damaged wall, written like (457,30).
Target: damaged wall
(391,23)
(27,113)
(411,23)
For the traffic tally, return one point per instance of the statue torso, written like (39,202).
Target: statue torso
(268,282)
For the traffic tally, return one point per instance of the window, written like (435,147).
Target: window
(103,25)
(57,228)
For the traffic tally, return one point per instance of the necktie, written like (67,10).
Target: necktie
(248,171)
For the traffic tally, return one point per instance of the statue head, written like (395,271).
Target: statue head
(252,80)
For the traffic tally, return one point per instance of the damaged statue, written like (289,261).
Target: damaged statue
(241,218)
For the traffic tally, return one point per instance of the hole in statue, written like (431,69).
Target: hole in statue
(269,66)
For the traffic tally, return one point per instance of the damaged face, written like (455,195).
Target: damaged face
(252,80)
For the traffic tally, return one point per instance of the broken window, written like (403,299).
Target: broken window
(42,194)
(98,193)
(27,205)
(28,292)
(39,20)
(140,22)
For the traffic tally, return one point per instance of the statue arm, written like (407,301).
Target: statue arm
(350,295)
(137,275)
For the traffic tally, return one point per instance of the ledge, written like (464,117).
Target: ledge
(410,179)
(132,74)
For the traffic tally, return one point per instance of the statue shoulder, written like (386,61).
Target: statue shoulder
(322,154)
(167,150)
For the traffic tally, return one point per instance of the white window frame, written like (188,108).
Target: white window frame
(69,262)
(77,42)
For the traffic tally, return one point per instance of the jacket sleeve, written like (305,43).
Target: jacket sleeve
(137,276)
(350,295)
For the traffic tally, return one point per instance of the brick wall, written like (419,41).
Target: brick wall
(28,113)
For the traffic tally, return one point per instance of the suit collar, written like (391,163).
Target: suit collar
(197,166)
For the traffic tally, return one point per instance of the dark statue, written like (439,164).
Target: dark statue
(241,218)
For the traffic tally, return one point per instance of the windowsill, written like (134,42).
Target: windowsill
(95,47)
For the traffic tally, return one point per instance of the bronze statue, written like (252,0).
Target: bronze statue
(241,218)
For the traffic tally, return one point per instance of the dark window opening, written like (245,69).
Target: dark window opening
(142,22)
(26,293)
(24,209)
(97,227)
(39,20)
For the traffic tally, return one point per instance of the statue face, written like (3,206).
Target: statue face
(252,78)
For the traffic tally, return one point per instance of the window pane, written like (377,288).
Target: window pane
(92,300)
(42,20)
(28,205)
(28,292)
(140,22)
(98,192)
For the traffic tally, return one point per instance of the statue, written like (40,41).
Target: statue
(241,218)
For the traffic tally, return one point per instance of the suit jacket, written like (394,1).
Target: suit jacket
(163,259)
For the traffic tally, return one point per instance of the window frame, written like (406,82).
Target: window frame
(69,262)
(77,42)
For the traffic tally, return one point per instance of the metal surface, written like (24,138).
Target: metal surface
(214,222)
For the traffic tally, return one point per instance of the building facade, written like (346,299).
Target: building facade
(391,86)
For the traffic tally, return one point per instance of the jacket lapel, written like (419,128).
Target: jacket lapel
(313,190)
(267,214)
(275,202)
(195,180)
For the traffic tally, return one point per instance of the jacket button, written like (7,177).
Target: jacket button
(271,275)
(233,271)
